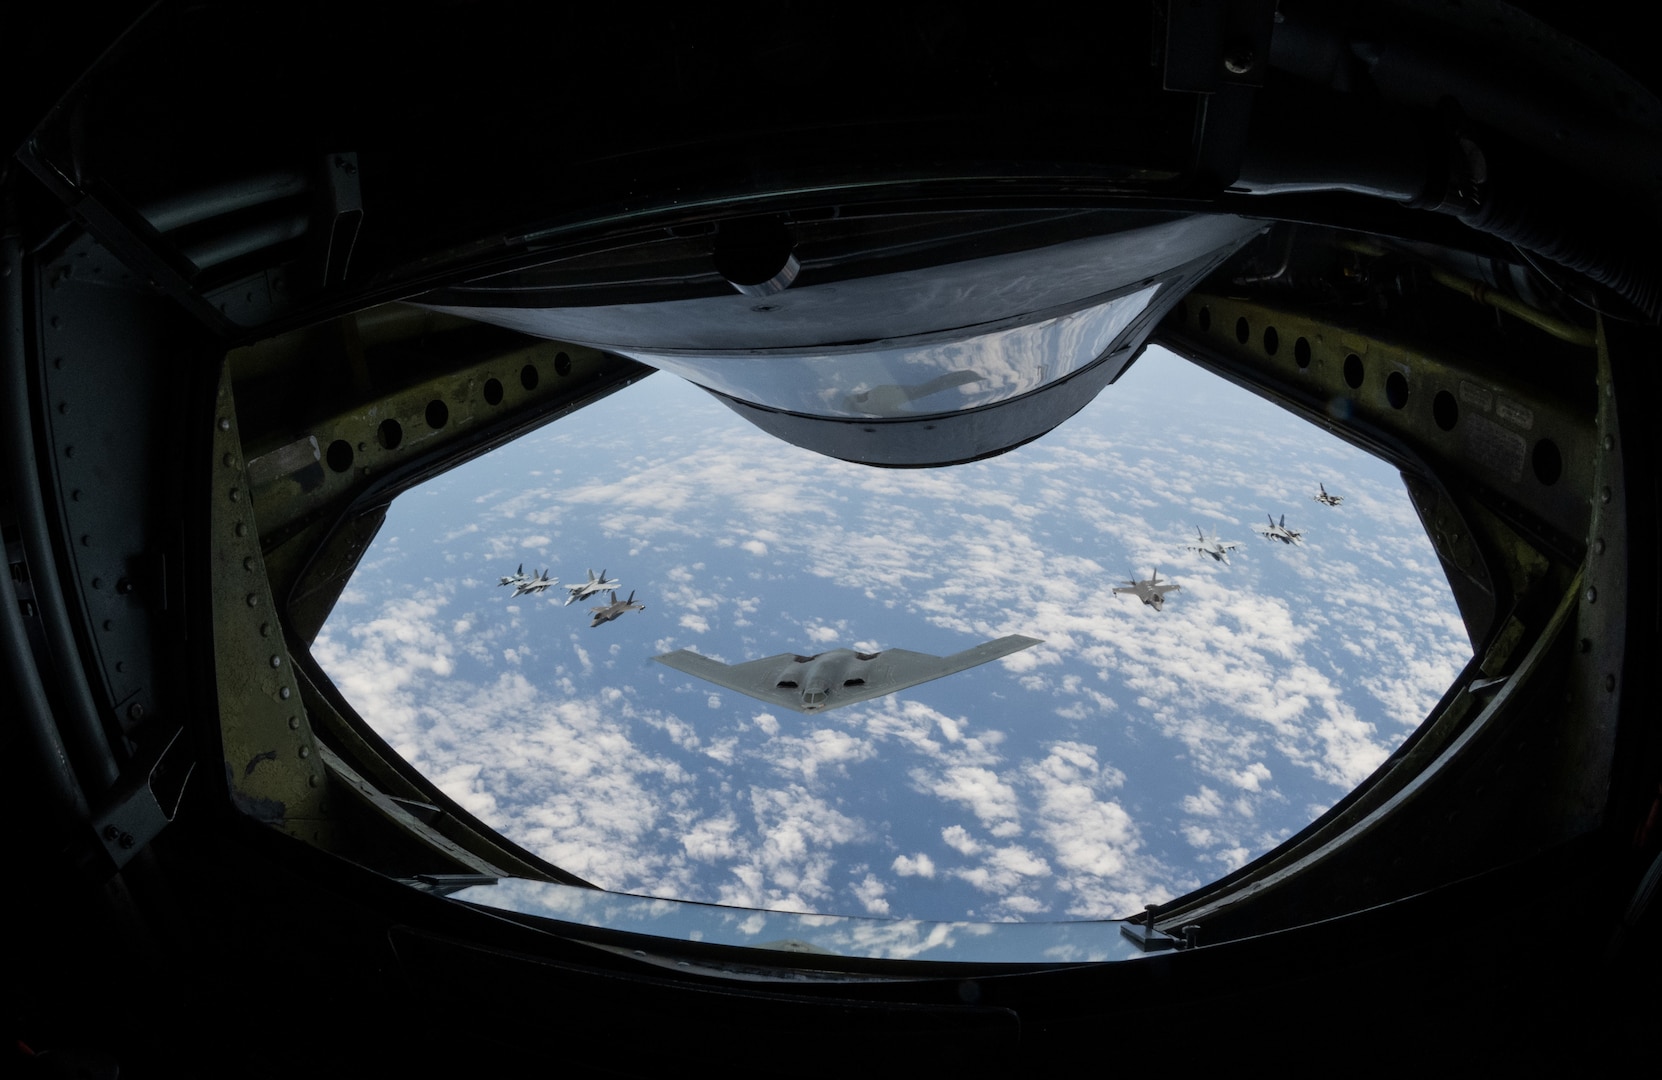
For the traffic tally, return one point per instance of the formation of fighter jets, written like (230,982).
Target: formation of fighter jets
(1152,591)
(839,677)
(525,585)
(537,581)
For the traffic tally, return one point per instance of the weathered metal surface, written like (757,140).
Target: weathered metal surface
(271,761)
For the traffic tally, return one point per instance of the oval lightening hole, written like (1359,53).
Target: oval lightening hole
(1547,462)
(1445,410)
(1396,389)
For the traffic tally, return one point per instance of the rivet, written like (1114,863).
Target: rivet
(242,528)
(69,451)
(235,494)
(123,586)
(111,832)
(75,495)
(366,470)
(121,665)
(224,424)
(1609,683)
(230,460)
(1598,546)
(305,751)
(276,661)
(56,322)
(253,599)
(98,583)
(248,563)
(1604,495)
(127,840)
(86,540)
(312,780)
(57,362)
(1609,442)
(265,629)
(294,723)
(63,408)
(1586,645)
(363,447)
(135,711)
(1591,595)
(284,693)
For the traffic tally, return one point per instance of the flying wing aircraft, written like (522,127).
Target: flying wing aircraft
(537,584)
(1214,547)
(582,590)
(1281,532)
(839,677)
(515,578)
(1325,499)
(1151,592)
(608,612)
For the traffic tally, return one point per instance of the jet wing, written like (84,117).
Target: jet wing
(887,672)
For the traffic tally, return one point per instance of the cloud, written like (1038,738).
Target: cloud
(920,865)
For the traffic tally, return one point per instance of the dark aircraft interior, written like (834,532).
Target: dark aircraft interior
(263,269)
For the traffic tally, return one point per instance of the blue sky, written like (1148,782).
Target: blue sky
(1129,758)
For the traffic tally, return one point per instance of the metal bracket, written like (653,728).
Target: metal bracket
(145,799)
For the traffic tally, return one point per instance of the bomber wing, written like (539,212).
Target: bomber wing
(859,680)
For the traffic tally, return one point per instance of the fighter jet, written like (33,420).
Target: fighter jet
(1151,592)
(1327,500)
(1214,547)
(582,590)
(514,578)
(608,612)
(1281,532)
(535,584)
(828,680)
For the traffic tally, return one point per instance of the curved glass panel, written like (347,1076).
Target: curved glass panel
(915,380)
(822,935)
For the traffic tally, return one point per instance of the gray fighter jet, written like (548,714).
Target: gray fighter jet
(608,612)
(514,578)
(582,590)
(827,680)
(1327,500)
(1281,532)
(1151,592)
(535,584)
(1215,547)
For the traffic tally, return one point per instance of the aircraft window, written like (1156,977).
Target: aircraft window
(1135,752)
